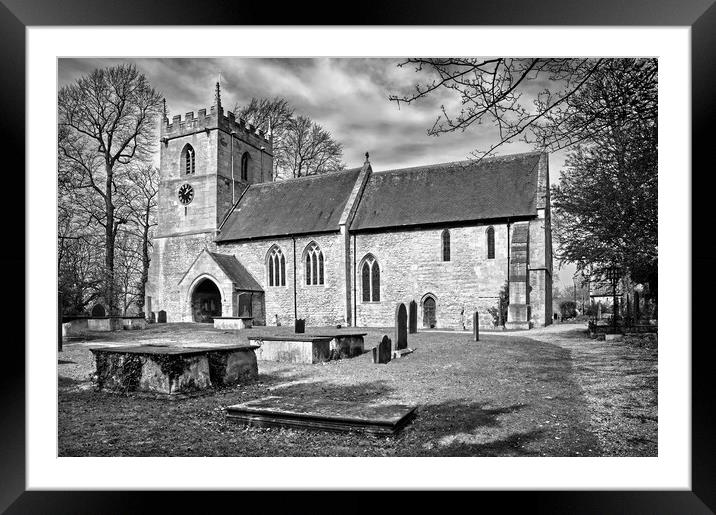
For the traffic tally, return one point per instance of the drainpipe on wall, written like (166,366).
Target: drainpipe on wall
(355,279)
(295,308)
(508,262)
(233,200)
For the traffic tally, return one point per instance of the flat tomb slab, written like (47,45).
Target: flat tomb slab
(309,348)
(323,414)
(172,370)
(302,337)
(233,322)
(291,349)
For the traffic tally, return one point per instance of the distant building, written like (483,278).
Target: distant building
(343,247)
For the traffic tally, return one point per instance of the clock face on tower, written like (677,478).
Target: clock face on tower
(186,194)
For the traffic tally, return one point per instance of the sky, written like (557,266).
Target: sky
(347,96)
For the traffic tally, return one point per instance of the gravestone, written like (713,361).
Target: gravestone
(476,326)
(401,327)
(98,311)
(382,352)
(413,317)
(162,317)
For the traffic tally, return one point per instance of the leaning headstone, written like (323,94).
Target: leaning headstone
(413,317)
(382,352)
(476,326)
(401,327)
(162,317)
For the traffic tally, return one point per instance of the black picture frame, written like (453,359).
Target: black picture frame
(700,15)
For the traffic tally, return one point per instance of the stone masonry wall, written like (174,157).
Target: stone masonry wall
(171,258)
(200,215)
(318,304)
(411,267)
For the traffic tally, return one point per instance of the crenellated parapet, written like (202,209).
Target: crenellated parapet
(213,119)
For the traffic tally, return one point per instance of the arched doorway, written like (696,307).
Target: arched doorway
(429,316)
(205,301)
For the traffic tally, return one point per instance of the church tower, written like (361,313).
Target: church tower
(206,163)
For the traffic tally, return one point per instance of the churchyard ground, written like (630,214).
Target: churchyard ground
(545,392)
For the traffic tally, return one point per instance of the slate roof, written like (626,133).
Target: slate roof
(242,278)
(494,188)
(294,206)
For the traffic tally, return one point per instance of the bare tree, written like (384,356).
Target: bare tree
(275,113)
(311,149)
(300,146)
(143,217)
(106,121)
(530,100)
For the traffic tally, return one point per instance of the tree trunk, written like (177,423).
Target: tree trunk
(145,260)
(109,244)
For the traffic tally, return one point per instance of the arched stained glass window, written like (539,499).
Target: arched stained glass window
(365,274)
(313,257)
(446,245)
(370,279)
(245,166)
(490,243)
(276,267)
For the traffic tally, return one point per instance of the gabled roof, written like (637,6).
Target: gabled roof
(229,265)
(493,188)
(242,278)
(294,206)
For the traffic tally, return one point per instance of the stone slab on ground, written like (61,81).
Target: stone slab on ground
(400,353)
(613,337)
(170,370)
(323,414)
(233,323)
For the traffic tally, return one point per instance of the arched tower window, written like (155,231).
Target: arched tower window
(490,243)
(370,279)
(313,258)
(446,245)
(188,159)
(276,267)
(245,166)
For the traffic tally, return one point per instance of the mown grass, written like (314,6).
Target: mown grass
(550,392)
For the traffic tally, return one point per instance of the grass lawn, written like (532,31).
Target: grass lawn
(545,392)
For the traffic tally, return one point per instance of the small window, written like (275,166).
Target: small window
(276,267)
(314,264)
(370,275)
(446,245)
(188,159)
(490,243)
(245,166)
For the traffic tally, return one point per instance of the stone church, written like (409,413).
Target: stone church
(344,247)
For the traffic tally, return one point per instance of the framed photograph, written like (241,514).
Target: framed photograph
(414,253)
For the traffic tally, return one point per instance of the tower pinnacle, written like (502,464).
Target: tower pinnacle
(217,96)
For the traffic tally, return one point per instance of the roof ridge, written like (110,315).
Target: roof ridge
(461,162)
(305,177)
